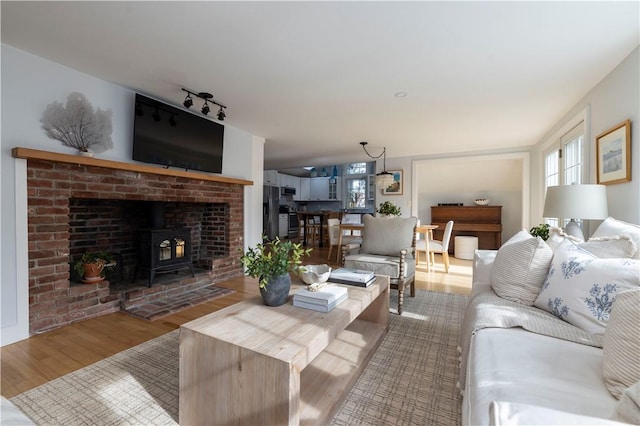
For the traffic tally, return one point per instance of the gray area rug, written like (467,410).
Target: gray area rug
(410,379)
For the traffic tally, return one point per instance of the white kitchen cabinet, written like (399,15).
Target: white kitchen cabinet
(325,189)
(319,189)
(283,225)
(271,178)
(335,189)
(288,181)
(283,180)
(305,189)
(296,184)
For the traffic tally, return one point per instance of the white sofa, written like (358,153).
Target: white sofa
(510,375)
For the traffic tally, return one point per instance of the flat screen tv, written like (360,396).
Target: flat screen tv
(172,137)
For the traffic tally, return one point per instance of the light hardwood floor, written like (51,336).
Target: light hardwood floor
(47,356)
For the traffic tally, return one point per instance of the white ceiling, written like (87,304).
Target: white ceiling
(315,78)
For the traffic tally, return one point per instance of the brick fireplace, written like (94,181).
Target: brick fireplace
(101,205)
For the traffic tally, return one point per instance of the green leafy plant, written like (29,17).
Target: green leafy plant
(388,208)
(541,231)
(273,258)
(107,259)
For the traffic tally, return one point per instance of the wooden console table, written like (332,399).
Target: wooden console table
(484,222)
(254,364)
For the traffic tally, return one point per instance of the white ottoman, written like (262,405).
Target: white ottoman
(465,247)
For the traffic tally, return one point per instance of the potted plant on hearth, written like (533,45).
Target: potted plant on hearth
(92,267)
(388,209)
(271,262)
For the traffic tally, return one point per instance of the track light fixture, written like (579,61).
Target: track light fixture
(384,178)
(172,121)
(208,98)
(156,115)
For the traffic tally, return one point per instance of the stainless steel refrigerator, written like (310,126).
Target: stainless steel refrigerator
(270,210)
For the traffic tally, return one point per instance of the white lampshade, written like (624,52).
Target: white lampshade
(576,202)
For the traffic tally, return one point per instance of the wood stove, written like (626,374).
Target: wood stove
(164,250)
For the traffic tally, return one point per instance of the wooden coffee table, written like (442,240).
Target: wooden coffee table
(254,364)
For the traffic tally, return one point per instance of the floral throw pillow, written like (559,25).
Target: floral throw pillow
(580,287)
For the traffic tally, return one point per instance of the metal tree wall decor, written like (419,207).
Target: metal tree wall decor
(77,125)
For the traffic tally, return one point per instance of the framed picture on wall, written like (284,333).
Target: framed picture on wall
(613,154)
(396,187)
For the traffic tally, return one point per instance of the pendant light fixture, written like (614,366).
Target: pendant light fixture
(384,178)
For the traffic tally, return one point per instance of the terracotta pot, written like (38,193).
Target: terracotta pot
(92,272)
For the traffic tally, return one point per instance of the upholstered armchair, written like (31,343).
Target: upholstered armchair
(388,248)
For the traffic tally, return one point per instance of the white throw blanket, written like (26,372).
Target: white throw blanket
(488,310)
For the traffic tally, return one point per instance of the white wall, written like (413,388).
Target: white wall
(29,84)
(615,99)
(404,200)
(500,179)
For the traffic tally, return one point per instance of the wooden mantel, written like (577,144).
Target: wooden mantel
(35,154)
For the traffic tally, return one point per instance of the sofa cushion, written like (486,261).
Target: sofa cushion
(381,265)
(611,227)
(621,347)
(523,367)
(580,287)
(628,408)
(387,236)
(520,267)
(503,413)
(12,415)
(609,247)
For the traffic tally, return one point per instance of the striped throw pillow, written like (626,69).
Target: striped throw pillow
(621,347)
(520,268)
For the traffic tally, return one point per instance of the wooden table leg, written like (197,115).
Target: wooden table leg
(304,231)
(428,236)
(321,227)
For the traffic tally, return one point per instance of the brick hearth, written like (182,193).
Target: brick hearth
(59,193)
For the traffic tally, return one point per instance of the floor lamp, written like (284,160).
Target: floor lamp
(576,202)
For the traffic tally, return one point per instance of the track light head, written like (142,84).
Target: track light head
(156,115)
(188,101)
(172,121)
(139,111)
(205,108)
(221,114)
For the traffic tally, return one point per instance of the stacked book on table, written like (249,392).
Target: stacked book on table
(323,300)
(355,277)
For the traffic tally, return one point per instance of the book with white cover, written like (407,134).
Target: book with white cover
(317,306)
(324,296)
(351,275)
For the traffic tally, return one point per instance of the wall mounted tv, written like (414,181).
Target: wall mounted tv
(172,137)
